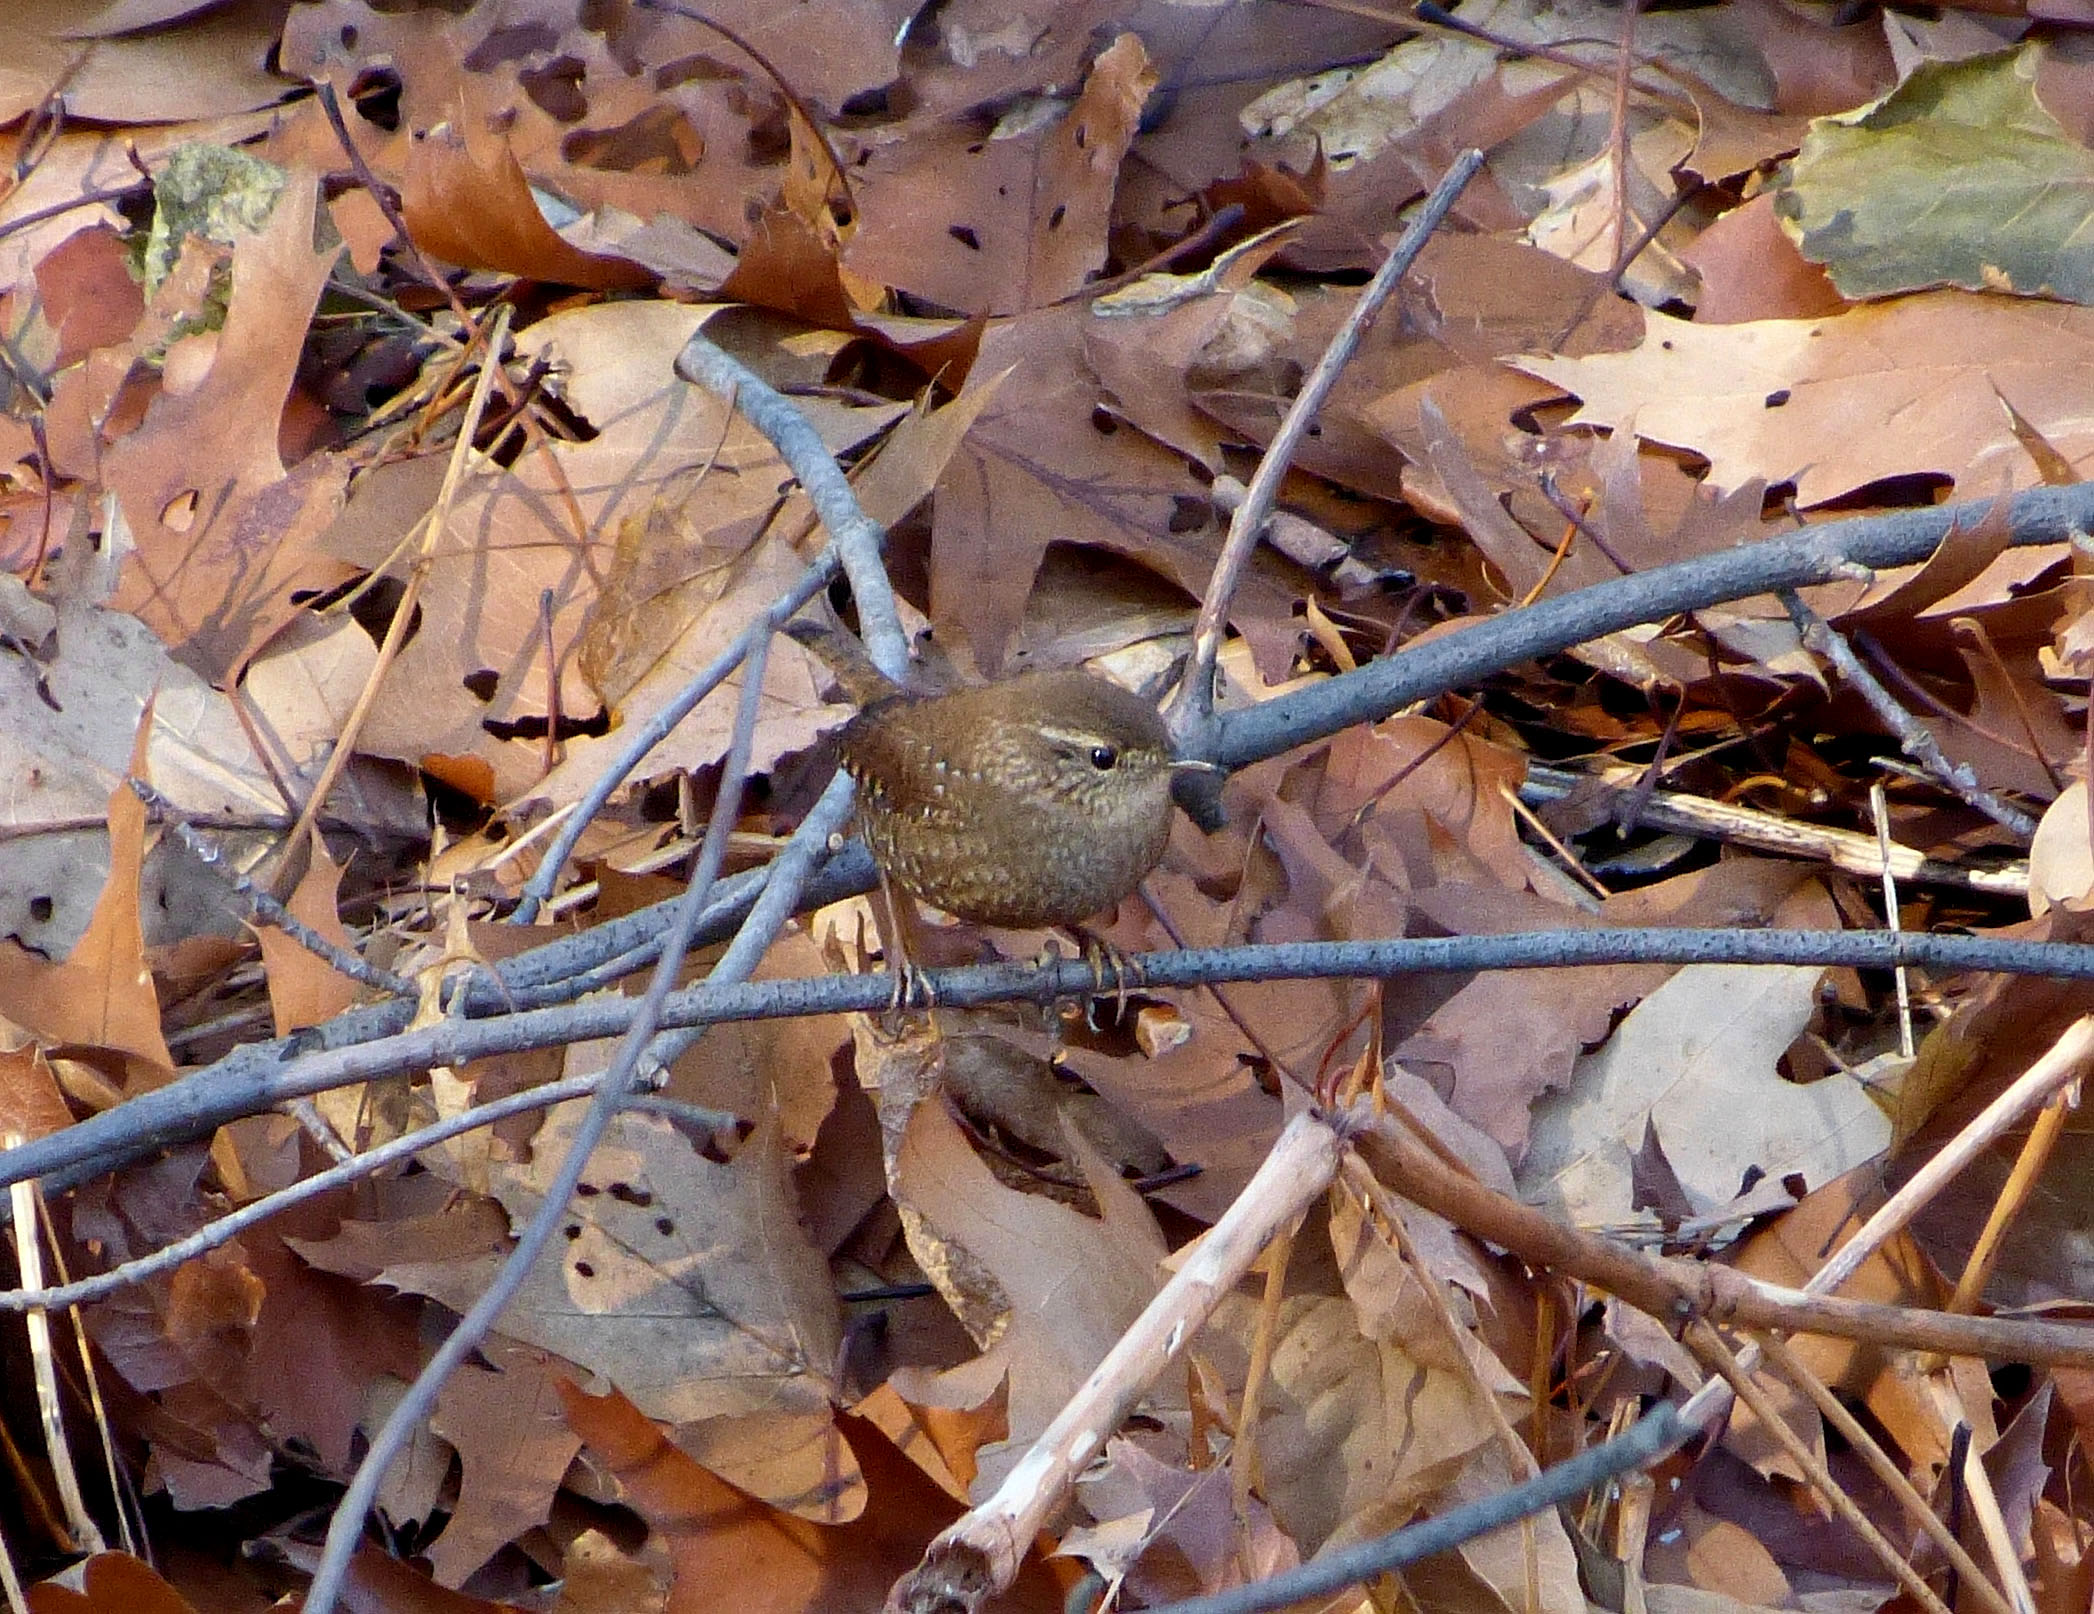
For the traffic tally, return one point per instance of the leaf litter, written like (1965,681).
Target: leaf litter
(1040,279)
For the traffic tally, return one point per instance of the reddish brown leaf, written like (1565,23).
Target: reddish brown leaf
(304,989)
(1002,225)
(778,1564)
(466,200)
(224,536)
(116,1583)
(101,998)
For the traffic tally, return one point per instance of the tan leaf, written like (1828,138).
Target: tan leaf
(31,1104)
(1039,1254)
(686,1282)
(721,1537)
(550,524)
(2061,858)
(466,200)
(1696,1061)
(513,1446)
(1008,223)
(796,1461)
(116,1583)
(1912,386)
(1353,1424)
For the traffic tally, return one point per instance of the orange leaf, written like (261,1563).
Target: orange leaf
(304,989)
(719,1536)
(102,996)
(116,1583)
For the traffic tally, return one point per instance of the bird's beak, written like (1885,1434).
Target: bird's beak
(1196,786)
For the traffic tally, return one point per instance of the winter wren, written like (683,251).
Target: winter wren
(1038,801)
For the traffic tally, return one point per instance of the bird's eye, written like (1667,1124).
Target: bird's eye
(1103,757)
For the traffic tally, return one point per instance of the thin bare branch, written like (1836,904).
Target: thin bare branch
(856,535)
(1912,735)
(1195,700)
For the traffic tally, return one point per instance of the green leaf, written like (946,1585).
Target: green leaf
(1958,177)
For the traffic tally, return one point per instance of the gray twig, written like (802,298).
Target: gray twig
(1657,1432)
(1820,554)
(1195,701)
(1913,736)
(856,535)
(230,1226)
(262,907)
(346,1528)
(194,1106)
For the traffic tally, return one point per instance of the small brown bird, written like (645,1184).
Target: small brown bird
(1038,801)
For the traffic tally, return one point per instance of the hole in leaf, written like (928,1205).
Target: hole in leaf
(556,88)
(658,141)
(179,513)
(371,605)
(1189,514)
(376,96)
(533,728)
(510,44)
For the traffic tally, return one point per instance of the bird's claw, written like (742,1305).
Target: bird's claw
(1103,959)
(912,989)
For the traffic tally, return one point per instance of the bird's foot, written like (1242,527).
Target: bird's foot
(1113,973)
(911,989)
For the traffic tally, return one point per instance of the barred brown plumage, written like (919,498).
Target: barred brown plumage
(1041,800)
